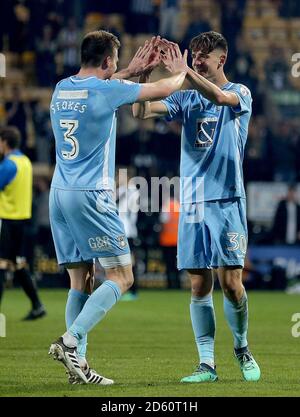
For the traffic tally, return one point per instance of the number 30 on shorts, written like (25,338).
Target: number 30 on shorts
(238,242)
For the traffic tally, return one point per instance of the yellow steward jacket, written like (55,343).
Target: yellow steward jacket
(15,187)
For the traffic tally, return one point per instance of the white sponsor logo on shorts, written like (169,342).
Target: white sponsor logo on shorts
(99,243)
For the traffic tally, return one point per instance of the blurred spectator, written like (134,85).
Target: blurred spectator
(107,6)
(40,11)
(232,14)
(46,49)
(42,222)
(168,21)
(20,39)
(18,111)
(277,70)
(284,152)
(243,70)
(109,24)
(166,144)
(289,8)
(127,136)
(286,225)
(145,157)
(169,218)
(257,165)
(7,18)
(198,24)
(141,17)
(69,40)
(43,132)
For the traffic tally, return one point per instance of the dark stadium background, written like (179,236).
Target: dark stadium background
(39,40)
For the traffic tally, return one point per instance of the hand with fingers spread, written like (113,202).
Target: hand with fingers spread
(172,57)
(153,59)
(146,58)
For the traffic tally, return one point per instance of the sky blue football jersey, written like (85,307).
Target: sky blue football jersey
(83,117)
(212,144)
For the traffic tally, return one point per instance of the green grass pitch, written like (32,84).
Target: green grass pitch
(147,345)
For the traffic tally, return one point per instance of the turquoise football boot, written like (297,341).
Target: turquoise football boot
(204,373)
(248,365)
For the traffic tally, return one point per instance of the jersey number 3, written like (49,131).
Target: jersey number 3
(71,126)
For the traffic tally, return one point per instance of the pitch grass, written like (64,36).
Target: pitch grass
(147,345)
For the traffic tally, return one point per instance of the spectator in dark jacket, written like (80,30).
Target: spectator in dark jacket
(286,226)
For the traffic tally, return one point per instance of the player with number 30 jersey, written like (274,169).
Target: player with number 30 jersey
(212,226)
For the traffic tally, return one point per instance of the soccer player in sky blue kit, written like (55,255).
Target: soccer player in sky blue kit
(84,219)
(212,227)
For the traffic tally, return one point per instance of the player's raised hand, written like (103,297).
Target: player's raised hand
(146,58)
(153,57)
(173,59)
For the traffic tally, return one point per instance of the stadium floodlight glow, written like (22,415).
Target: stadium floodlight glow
(2,66)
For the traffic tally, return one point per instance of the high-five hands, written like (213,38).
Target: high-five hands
(146,58)
(172,57)
(154,52)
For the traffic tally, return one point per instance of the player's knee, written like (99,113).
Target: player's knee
(200,288)
(128,278)
(122,275)
(233,288)
(200,291)
(129,281)
(231,294)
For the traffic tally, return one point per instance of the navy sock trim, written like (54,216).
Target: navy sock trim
(241,350)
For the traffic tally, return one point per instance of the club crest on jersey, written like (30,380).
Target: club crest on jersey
(244,90)
(122,241)
(205,131)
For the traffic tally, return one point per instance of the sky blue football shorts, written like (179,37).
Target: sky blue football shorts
(86,225)
(212,234)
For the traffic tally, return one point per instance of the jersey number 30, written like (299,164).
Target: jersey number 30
(71,126)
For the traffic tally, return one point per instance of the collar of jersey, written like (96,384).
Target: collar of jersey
(225,85)
(76,78)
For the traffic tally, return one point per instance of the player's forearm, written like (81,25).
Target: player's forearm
(209,90)
(169,85)
(141,110)
(123,74)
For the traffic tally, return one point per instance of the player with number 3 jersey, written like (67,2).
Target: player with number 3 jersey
(84,218)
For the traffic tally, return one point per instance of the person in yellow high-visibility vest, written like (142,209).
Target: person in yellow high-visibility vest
(15,212)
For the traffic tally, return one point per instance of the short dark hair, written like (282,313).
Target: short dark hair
(208,41)
(96,46)
(11,135)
